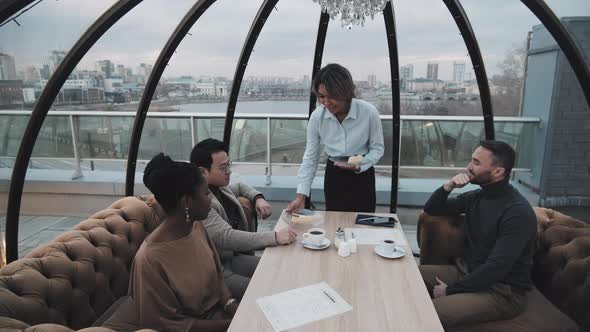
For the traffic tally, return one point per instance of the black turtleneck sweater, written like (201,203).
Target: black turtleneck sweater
(500,235)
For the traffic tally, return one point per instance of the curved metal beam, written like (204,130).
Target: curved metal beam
(565,41)
(11,7)
(177,36)
(317,65)
(468,35)
(56,81)
(263,13)
(317,58)
(389,19)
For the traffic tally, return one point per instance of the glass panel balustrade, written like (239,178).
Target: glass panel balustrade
(426,142)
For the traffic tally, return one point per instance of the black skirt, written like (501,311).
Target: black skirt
(348,191)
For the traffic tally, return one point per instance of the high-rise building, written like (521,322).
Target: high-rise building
(120,70)
(306,81)
(372,79)
(45,72)
(458,72)
(432,71)
(144,70)
(11,93)
(32,74)
(406,75)
(7,67)
(106,68)
(54,59)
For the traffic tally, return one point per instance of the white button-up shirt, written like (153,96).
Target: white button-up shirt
(359,133)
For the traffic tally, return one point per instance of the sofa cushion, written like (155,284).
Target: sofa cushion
(121,316)
(539,316)
(61,328)
(440,238)
(76,277)
(12,325)
(110,311)
(50,328)
(562,264)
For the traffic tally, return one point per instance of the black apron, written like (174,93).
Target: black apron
(348,191)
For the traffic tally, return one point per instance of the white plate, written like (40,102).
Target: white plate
(384,252)
(316,218)
(305,212)
(325,244)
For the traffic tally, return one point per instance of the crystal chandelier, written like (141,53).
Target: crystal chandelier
(352,12)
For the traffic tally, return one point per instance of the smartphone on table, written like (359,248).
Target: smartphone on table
(367,219)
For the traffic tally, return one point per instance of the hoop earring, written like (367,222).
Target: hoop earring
(188,218)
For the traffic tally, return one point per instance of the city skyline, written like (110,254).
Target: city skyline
(109,68)
(285,46)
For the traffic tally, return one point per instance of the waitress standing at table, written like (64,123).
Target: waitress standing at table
(346,127)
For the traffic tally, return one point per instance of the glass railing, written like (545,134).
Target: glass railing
(260,139)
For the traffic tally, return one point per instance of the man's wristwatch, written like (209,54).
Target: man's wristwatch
(228,303)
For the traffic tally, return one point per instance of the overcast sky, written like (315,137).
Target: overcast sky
(285,47)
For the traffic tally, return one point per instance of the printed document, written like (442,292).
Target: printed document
(301,306)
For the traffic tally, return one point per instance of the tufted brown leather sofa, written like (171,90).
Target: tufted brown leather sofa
(561,272)
(68,283)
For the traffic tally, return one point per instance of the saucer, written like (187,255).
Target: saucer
(325,244)
(383,252)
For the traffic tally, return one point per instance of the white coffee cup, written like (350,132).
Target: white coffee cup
(315,236)
(388,245)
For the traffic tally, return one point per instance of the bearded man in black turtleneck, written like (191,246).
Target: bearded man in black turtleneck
(490,280)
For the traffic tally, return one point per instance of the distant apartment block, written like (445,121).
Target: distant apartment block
(432,71)
(458,72)
(210,89)
(306,80)
(7,67)
(372,80)
(106,68)
(143,71)
(32,74)
(52,61)
(428,85)
(11,93)
(187,86)
(29,96)
(78,91)
(272,80)
(407,77)
(73,84)
(113,85)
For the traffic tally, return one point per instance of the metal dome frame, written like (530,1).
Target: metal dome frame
(9,7)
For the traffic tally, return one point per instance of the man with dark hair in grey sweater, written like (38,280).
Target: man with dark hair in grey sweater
(231,223)
(489,282)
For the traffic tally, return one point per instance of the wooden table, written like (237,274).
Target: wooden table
(386,294)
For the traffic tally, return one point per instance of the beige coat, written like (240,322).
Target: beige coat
(228,240)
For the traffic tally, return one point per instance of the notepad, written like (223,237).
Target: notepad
(302,306)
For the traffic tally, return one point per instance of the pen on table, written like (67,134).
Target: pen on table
(370,218)
(328,295)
